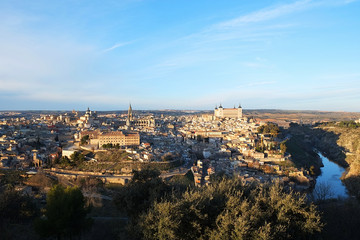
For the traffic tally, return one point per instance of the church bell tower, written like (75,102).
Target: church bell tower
(129,117)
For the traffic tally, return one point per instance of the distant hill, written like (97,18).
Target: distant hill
(300,116)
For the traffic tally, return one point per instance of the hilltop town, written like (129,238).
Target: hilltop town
(112,146)
(125,164)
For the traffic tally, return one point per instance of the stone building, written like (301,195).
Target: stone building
(132,122)
(123,138)
(221,112)
(88,119)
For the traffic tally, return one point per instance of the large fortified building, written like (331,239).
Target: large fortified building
(221,112)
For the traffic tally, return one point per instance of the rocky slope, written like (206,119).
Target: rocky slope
(342,145)
(339,144)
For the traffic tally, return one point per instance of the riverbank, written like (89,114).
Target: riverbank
(328,183)
(342,145)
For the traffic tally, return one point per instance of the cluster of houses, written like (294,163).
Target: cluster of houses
(230,145)
(26,143)
(211,143)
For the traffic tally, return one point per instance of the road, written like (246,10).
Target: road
(182,170)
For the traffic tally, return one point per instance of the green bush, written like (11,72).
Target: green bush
(231,210)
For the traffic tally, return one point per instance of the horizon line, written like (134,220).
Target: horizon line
(200,110)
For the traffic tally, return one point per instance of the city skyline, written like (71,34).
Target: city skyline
(297,55)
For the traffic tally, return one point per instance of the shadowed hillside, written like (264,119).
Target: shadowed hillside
(337,142)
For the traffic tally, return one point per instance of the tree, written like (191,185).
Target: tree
(283,147)
(65,213)
(145,175)
(231,210)
(322,191)
(108,145)
(348,124)
(259,147)
(84,140)
(167,157)
(313,170)
(14,207)
(77,158)
(65,161)
(137,196)
(271,146)
(269,128)
(11,178)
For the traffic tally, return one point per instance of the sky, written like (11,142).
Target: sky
(179,54)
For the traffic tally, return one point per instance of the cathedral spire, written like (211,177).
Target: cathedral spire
(130,113)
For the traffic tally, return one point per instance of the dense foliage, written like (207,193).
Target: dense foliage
(227,209)
(137,196)
(349,124)
(15,207)
(76,159)
(110,145)
(343,124)
(269,128)
(231,210)
(84,140)
(342,219)
(301,147)
(65,213)
(11,178)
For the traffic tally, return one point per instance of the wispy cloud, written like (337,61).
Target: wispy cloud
(277,11)
(117,45)
(36,65)
(265,14)
(241,35)
(229,38)
(242,27)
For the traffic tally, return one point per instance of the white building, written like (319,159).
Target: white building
(221,112)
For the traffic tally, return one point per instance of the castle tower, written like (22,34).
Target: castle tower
(220,111)
(240,111)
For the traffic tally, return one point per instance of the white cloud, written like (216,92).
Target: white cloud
(265,14)
(59,68)
(117,45)
(229,38)
(276,12)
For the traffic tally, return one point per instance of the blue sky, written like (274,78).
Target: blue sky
(169,54)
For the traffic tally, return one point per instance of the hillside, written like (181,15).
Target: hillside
(341,144)
(284,117)
(347,150)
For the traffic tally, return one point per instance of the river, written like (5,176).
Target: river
(330,176)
